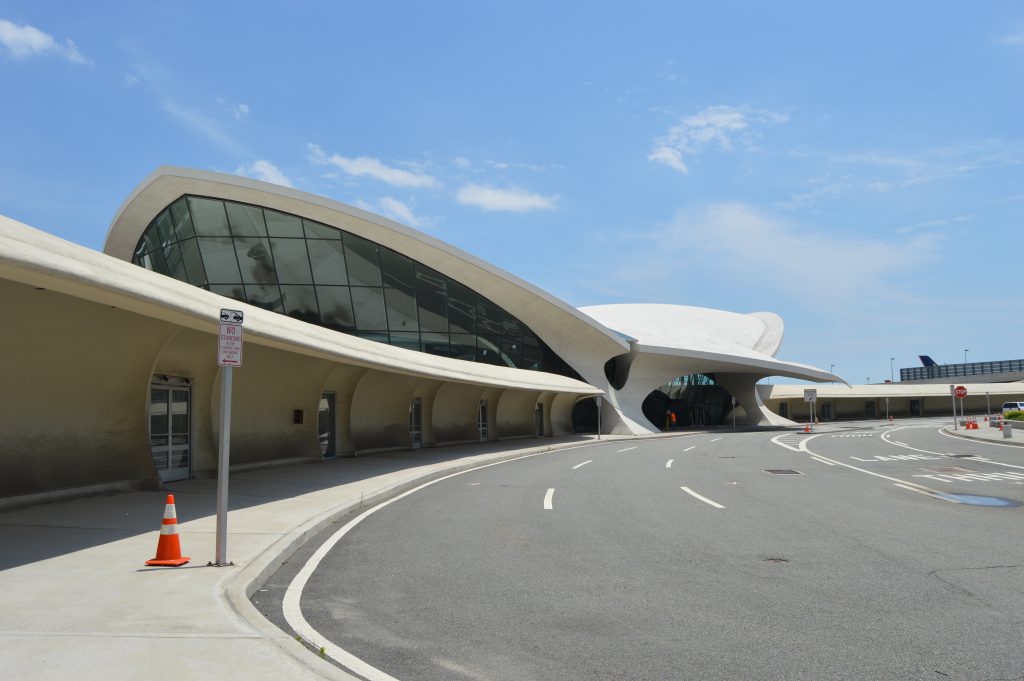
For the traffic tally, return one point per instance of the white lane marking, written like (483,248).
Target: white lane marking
(803,448)
(626,449)
(668,464)
(581,465)
(928,451)
(716,439)
(914,489)
(292,608)
(778,440)
(548,498)
(704,499)
(689,448)
(821,460)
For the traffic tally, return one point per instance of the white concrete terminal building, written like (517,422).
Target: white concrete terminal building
(361,335)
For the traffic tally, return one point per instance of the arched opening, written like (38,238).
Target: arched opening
(688,401)
(584,416)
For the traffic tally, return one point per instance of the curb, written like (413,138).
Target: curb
(1008,442)
(237,589)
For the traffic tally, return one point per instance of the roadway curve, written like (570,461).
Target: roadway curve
(596,563)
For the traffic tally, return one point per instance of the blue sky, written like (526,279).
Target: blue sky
(854,167)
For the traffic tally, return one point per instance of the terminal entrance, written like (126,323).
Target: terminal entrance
(695,400)
(170,427)
(416,423)
(325,420)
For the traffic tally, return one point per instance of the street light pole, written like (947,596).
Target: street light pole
(892,375)
(966,350)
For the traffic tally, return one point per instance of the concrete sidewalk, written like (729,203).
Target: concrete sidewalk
(78,602)
(987,433)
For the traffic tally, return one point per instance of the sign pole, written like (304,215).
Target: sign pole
(229,356)
(598,417)
(952,398)
(223,465)
(988,407)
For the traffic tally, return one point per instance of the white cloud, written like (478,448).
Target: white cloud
(266,171)
(742,245)
(201,124)
(391,207)
(24,41)
(239,111)
(130,80)
(372,167)
(462,162)
(721,126)
(1013,38)
(513,199)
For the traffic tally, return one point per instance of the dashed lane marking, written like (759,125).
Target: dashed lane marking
(626,449)
(701,498)
(716,439)
(548,498)
(581,465)
(689,448)
(668,464)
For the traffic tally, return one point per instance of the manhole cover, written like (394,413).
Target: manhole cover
(782,471)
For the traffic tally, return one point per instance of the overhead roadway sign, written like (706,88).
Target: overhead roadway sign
(810,395)
(960,392)
(229,345)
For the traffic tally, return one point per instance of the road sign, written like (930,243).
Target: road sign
(960,392)
(229,346)
(810,395)
(231,316)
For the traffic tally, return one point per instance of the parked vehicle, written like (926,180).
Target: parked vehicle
(1012,406)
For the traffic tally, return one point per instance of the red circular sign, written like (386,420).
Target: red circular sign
(960,391)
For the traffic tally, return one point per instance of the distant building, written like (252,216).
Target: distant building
(1004,371)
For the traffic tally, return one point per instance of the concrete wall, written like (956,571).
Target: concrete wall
(75,414)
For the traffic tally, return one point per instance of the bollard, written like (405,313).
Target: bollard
(1007,430)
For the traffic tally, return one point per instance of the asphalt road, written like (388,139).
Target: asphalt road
(683,558)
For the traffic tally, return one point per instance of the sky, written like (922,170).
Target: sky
(857,168)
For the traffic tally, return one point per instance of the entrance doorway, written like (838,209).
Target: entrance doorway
(538,419)
(416,423)
(826,411)
(325,424)
(915,407)
(481,420)
(170,427)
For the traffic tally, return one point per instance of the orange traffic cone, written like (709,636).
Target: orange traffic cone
(807,428)
(168,549)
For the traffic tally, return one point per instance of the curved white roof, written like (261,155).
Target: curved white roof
(559,324)
(732,339)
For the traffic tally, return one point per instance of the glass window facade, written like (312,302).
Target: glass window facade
(329,277)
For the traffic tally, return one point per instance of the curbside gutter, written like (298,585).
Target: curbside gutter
(237,589)
(1010,442)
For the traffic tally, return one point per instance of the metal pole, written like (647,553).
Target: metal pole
(599,418)
(734,412)
(953,399)
(988,408)
(223,464)
(892,375)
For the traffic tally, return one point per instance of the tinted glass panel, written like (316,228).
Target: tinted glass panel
(152,239)
(488,349)
(231,291)
(282,224)
(435,343)
(464,346)
(266,296)
(336,308)
(208,217)
(255,260)
(300,302)
(193,262)
(428,279)
(314,230)
(401,307)
(433,310)
(361,259)
(219,258)
(376,336)
(245,220)
(511,328)
(409,341)
(157,260)
(461,308)
(397,269)
(488,317)
(182,219)
(164,229)
(531,352)
(512,351)
(172,259)
(291,261)
(328,261)
(368,306)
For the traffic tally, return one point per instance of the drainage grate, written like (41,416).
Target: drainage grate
(782,471)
